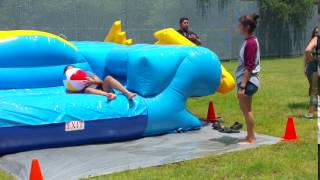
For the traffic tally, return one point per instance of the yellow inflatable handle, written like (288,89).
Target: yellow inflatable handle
(116,35)
(171,36)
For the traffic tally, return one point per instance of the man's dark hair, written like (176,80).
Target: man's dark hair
(183,19)
(65,68)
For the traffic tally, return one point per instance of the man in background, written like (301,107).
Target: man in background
(184,31)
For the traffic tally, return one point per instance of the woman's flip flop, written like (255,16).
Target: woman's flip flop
(236,126)
(228,130)
(216,126)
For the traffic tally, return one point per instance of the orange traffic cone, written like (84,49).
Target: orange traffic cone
(290,134)
(211,117)
(35,172)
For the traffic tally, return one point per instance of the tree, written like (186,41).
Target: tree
(284,24)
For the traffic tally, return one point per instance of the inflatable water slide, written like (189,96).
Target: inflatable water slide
(37,112)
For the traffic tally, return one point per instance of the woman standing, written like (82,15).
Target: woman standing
(311,64)
(248,72)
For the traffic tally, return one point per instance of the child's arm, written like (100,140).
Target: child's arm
(98,80)
(93,80)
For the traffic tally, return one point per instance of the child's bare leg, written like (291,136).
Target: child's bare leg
(109,83)
(110,96)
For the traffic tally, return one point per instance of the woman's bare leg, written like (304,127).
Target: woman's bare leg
(245,106)
(109,83)
(110,96)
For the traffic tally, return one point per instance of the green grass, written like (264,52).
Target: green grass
(5,176)
(283,93)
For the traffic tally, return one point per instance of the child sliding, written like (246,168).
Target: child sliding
(94,85)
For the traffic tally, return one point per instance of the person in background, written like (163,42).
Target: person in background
(184,30)
(247,73)
(311,70)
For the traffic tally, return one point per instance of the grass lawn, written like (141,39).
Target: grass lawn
(283,93)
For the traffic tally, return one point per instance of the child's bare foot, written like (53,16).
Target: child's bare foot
(131,95)
(111,96)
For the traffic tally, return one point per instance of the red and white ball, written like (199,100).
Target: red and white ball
(75,80)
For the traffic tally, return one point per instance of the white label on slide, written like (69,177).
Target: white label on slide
(74,126)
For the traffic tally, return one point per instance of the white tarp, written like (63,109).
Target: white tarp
(93,160)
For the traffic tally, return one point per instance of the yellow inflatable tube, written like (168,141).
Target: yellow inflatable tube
(171,36)
(15,33)
(116,35)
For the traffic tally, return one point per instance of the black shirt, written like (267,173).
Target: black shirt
(187,34)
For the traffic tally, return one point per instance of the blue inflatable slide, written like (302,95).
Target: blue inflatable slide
(36,111)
